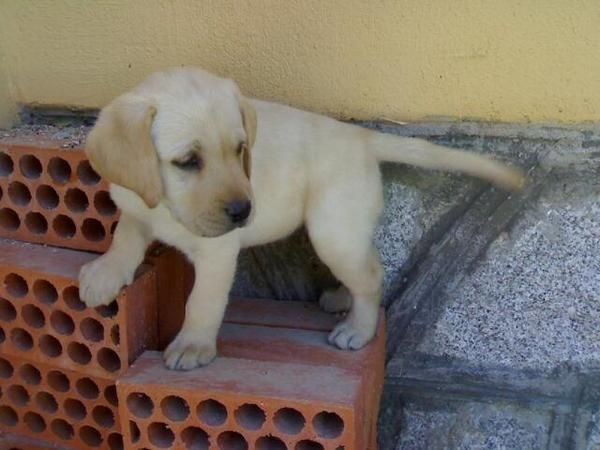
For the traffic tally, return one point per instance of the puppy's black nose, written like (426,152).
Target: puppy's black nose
(238,210)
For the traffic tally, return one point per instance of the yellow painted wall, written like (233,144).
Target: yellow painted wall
(509,60)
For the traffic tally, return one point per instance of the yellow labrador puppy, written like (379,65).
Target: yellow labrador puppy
(197,165)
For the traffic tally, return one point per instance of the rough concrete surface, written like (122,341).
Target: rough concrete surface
(534,300)
(445,425)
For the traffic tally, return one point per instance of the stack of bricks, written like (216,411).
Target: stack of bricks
(59,361)
(72,377)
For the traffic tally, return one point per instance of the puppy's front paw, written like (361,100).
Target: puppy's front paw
(189,350)
(101,280)
(352,334)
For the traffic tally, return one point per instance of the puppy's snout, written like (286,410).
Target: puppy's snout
(238,211)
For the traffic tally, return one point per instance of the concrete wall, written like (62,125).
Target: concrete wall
(511,60)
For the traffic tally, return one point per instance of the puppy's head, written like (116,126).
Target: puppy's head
(182,137)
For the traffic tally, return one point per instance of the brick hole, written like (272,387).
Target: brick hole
(113,227)
(110,394)
(250,416)
(93,230)
(6,164)
(115,335)
(47,197)
(328,425)
(289,420)
(86,174)
(270,443)
(309,445)
(30,374)
(50,346)
(18,395)
(212,412)
(9,219)
(33,316)
(104,204)
(8,312)
(87,388)
(45,292)
(175,408)
(16,285)
(60,170)
(160,435)
(230,440)
(64,226)
(30,166)
(19,193)
(79,353)
(35,422)
(8,416)
(62,429)
(21,339)
(62,323)
(140,405)
(90,436)
(108,311)
(134,431)
(115,441)
(36,223)
(103,416)
(46,402)
(6,368)
(58,381)
(76,200)
(195,438)
(2,335)
(109,359)
(75,409)
(71,298)
(91,329)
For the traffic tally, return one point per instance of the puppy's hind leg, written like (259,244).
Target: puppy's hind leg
(343,240)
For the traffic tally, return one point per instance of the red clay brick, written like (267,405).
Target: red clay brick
(42,318)
(265,404)
(271,344)
(51,404)
(51,195)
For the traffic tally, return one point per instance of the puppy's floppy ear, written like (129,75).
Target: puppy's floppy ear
(120,147)
(249,120)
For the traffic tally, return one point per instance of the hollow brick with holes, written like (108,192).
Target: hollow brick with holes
(57,405)
(240,403)
(43,319)
(258,332)
(51,195)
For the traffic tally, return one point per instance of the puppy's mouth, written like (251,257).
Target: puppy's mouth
(213,228)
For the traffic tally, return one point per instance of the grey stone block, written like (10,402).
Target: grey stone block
(534,301)
(443,425)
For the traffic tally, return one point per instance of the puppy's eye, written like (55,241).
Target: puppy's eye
(190,162)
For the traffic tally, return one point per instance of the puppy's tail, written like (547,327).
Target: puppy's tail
(421,153)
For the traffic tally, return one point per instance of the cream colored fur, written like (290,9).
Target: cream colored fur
(304,169)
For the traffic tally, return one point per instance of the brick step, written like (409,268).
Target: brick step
(50,194)
(57,405)
(42,318)
(271,387)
